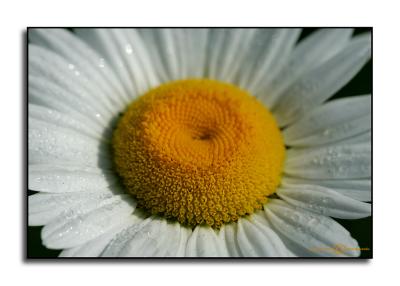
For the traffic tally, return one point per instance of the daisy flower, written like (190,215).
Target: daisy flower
(197,142)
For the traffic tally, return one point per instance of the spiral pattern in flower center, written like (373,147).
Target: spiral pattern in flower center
(199,151)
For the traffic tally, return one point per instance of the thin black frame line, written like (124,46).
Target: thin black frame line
(25,160)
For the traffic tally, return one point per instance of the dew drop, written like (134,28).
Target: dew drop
(295,217)
(313,222)
(128,49)
(101,63)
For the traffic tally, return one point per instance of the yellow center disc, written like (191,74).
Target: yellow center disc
(199,151)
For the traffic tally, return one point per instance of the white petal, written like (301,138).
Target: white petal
(104,42)
(215,46)
(317,85)
(362,138)
(116,247)
(95,247)
(176,53)
(50,66)
(228,235)
(317,235)
(83,59)
(196,44)
(182,52)
(153,45)
(126,51)
(324,201)
(168,48)
(182,240)
(256,239)
(170,240)
(138,58)
(56,118)
(49,143)
(60,179)
(332,162)
(204,242)
(169,42)
(45,93)
(227,51)
(359,190)
(268,54)
(80,224)
(331,122)
(44,207)
(150,238)
(308,54)
(358,139)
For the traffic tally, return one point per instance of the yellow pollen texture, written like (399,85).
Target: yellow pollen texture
(199,151)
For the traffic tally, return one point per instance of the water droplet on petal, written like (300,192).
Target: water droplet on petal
(101,63)
(128,49)
(326,132)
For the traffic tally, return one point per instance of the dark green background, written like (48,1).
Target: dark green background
(360,229)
